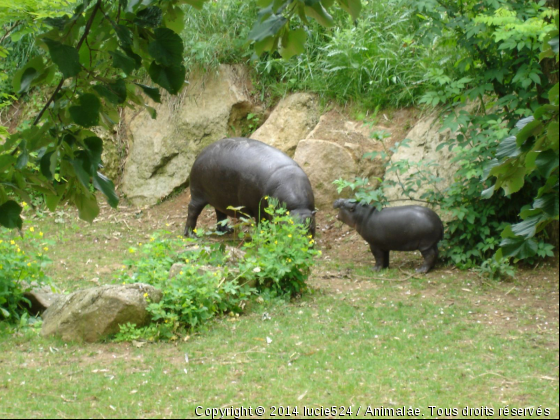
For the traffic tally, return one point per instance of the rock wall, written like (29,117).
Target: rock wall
(424,138)
(163,150)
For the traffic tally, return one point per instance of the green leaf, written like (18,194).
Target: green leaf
(171,78)
(487,193)
(113,92)
(125,62)
(527,227)
(552,134)
(174,19)
(95,148)
(86,113)
(548,203)
(152,92)
(508,148)
(264,45)
(268,28)
(6,161)
(10,215)
(519,247)
(293,43)
(87,206)
(66,58)
(197,4)
(82,168)
(547,162)
(532,128)
(353,7)
(106,186)
(52,201)
(48,164)
(24,77)
(316,10)
(166,47)
(124,34)
(150,17)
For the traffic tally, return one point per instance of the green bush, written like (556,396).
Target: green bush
(280,254)
(203,288)
(208,282)
(22,260)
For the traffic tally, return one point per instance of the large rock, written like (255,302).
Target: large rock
(291,121)
(163,150)
(323,162)
(334,149)
(41,298)
(91,314)
(424,138)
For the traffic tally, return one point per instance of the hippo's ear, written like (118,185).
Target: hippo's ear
(351,205)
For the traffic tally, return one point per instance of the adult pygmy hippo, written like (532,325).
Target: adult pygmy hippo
(240,172)
(405,228)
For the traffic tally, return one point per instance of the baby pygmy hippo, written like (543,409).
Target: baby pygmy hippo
(405,228)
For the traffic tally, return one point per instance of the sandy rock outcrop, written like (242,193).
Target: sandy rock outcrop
(291,121)
(163,150)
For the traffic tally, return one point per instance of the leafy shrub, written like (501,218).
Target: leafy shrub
(372,61)
(196,294)
(280,253)
(21,262)
(278,256)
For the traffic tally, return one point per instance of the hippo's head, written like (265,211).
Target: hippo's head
(346,211)
(306,217)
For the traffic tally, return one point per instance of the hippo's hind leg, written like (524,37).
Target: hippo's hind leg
(195,208)
(381,258)
(222,222)
(430,256)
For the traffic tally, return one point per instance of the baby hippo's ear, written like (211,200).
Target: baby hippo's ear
(351,205)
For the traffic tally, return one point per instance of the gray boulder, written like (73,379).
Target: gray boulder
(91,314)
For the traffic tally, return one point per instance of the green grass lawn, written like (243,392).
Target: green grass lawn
(445,341)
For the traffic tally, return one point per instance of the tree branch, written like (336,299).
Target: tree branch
(80,42)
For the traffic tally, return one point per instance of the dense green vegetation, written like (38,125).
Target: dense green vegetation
(486,65)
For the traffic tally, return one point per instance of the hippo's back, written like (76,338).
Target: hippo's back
(240,171)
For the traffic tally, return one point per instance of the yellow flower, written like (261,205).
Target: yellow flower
(13,242)
(1,266)
(24,204)
(187,260)
(46,248)
(181,273)
(289,260)
(290,235)
(145,295)
(152,239)
(266,197)
(131,250)
(31,229)
(1,241)
(41,234)
(29,264)
(288,213)
(275,242)
(140,244)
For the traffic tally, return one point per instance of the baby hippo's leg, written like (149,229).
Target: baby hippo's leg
(381,258)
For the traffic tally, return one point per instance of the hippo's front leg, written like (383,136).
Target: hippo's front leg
(381,258)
